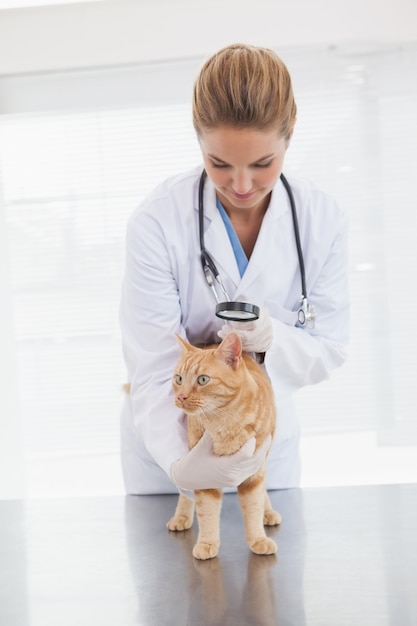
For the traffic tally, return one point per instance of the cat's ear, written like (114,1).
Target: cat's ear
(230,350)
(184,345)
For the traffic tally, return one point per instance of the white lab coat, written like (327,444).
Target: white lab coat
(165,292)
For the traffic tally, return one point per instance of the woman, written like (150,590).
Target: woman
(244,115)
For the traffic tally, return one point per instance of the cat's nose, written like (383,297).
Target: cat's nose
(181,397)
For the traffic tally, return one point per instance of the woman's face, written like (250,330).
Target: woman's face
(243,164)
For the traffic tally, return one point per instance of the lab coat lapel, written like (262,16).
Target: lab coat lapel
(217,240)
(263,255)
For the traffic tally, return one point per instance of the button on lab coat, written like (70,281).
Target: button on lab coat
(165,292)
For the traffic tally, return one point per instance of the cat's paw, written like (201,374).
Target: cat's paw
(272,518)
(204,551)
(265,545)
(180,522)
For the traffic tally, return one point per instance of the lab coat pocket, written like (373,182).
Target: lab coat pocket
(278,312)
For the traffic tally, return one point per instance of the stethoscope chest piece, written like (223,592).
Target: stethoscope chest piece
(307,314)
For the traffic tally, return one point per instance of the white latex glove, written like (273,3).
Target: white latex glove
(201,469)
(255,336)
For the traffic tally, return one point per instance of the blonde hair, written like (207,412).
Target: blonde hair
(244,86)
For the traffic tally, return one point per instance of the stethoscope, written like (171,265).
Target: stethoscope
(244,311)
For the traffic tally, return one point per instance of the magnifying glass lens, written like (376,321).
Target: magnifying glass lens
(237,311)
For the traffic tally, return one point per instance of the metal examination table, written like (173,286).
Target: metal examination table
(346,556)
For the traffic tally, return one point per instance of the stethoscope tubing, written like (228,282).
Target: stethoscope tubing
(296,235)
(206,259)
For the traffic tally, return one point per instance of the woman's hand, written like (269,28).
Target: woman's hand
(255,336)
(202,469)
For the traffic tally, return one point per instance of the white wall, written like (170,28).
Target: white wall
(100,34)
(11,445)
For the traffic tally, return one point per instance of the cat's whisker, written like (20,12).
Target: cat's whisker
(212,410)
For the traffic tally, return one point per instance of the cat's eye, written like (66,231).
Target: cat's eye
(178,379)
(203,379)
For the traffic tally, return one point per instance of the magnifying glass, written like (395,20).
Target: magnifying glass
(237,311)
(240,312)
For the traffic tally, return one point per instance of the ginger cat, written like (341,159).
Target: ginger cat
(225,392)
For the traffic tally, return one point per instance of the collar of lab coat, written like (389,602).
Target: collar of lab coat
(217,241)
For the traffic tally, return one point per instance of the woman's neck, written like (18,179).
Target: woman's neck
(246,222)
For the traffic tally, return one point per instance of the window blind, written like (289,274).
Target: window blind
(70,180)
